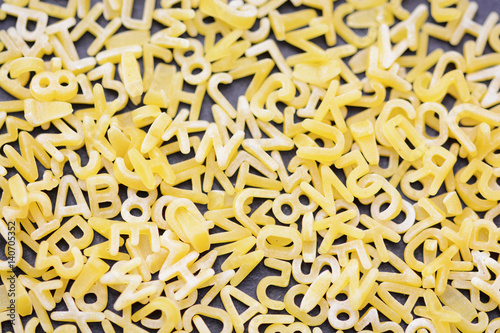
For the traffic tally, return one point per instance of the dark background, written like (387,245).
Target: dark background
(231,92)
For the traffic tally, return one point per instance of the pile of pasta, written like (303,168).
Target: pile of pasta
(127,168)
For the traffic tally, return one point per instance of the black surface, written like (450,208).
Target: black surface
(232,92)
